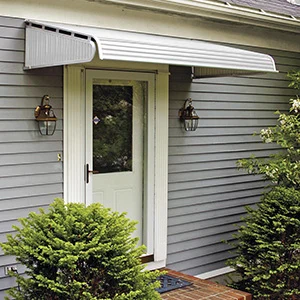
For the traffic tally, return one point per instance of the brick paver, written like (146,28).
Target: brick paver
(202,289)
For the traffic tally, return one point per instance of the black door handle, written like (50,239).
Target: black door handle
(88,171)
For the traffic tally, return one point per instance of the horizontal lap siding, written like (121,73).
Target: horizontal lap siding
(30,174)
(207,193)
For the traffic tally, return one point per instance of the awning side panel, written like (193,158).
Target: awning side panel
(46,48)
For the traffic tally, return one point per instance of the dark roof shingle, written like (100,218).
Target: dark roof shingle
(275,6)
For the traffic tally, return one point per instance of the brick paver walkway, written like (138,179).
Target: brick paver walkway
(202,289)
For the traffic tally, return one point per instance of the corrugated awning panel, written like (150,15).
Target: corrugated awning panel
(140,47)
(176,51)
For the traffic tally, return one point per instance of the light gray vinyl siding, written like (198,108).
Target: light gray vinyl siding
(30,174)
(207,193)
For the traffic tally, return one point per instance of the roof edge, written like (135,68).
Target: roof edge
(212,9)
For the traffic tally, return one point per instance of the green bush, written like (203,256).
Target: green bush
(76,252)
(284,167)
(268,248)
(268,245)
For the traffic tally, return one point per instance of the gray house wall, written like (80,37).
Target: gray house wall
(30,174)
(207,194)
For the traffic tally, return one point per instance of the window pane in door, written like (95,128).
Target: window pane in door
(112,129)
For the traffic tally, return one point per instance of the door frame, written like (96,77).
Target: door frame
(148,157)
(74,142)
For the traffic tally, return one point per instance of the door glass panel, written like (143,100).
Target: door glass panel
(112,128)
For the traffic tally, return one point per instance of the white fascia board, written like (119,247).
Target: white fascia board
(217,10)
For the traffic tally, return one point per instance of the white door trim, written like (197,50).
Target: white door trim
(74,134)
(75,152)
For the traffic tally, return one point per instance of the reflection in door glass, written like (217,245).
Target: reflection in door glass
(112,128)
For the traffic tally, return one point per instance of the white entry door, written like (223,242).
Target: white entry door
(115,122)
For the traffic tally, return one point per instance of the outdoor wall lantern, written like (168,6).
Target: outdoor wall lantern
(189,116)
(45,116)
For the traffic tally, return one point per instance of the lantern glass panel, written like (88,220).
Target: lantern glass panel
(190,124)
(47,127)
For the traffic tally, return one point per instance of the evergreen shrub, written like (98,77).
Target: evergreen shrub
(268,248)
(268,245)
(73,252)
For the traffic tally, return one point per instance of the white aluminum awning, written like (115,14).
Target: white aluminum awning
(53,44)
